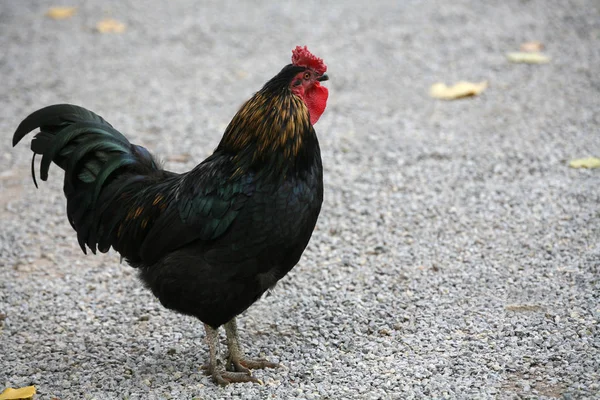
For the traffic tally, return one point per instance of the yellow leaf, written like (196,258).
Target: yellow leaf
(457,91)
(590,162)
(61,12)
(184,157)
(14,394)
(241,74)
(528,58)
(532,47)
(109,25)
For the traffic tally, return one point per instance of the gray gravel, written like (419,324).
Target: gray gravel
(457,255)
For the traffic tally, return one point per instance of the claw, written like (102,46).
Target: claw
(233,371)
(236,360)
(224,378)
(258,363)
(245,365)
(236,366)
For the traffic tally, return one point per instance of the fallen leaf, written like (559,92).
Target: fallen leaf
(183,157)
(15,394)
(532,47)
(109,25)
(61,12)
(528,58)
(590,162)
(457,91)
(241,74)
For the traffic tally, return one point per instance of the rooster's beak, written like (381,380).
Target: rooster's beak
(323,77)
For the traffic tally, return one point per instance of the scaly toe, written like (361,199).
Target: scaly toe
(258,363)
(224,378)
(237,367)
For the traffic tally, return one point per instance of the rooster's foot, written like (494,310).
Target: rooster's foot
(215,367)
(236,361)
(224,378)
(246,364)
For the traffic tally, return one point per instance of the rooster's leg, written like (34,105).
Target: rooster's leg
(215,366)
(236,357)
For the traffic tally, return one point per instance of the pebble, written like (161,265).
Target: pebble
(437,215)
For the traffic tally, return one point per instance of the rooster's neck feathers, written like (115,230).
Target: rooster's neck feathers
(273,127)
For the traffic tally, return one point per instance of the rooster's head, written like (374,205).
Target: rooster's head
(276,123)
(303,78)
(306,83)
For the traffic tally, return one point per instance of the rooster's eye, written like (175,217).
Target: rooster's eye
(307,76)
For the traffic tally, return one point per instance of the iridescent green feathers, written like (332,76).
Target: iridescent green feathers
(90,151)
(118,197)
(65,133)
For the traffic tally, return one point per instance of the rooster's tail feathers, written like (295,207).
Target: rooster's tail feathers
(90,151)
(70,134)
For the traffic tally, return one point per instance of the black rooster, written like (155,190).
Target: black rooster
(211,241)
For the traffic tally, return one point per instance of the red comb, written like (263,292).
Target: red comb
(304,58)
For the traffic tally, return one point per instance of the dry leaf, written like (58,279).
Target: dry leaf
(590,162)
(14,394)
(532,47)
(109,25)
(61,12)
(183,157)
(459,90)
(528,58)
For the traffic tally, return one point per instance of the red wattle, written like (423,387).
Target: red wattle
(316,100)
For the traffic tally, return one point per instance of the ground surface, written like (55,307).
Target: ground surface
(457,255)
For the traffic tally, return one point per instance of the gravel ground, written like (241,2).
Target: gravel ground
(456,256)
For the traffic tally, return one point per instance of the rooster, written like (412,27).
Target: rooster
(209,242)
